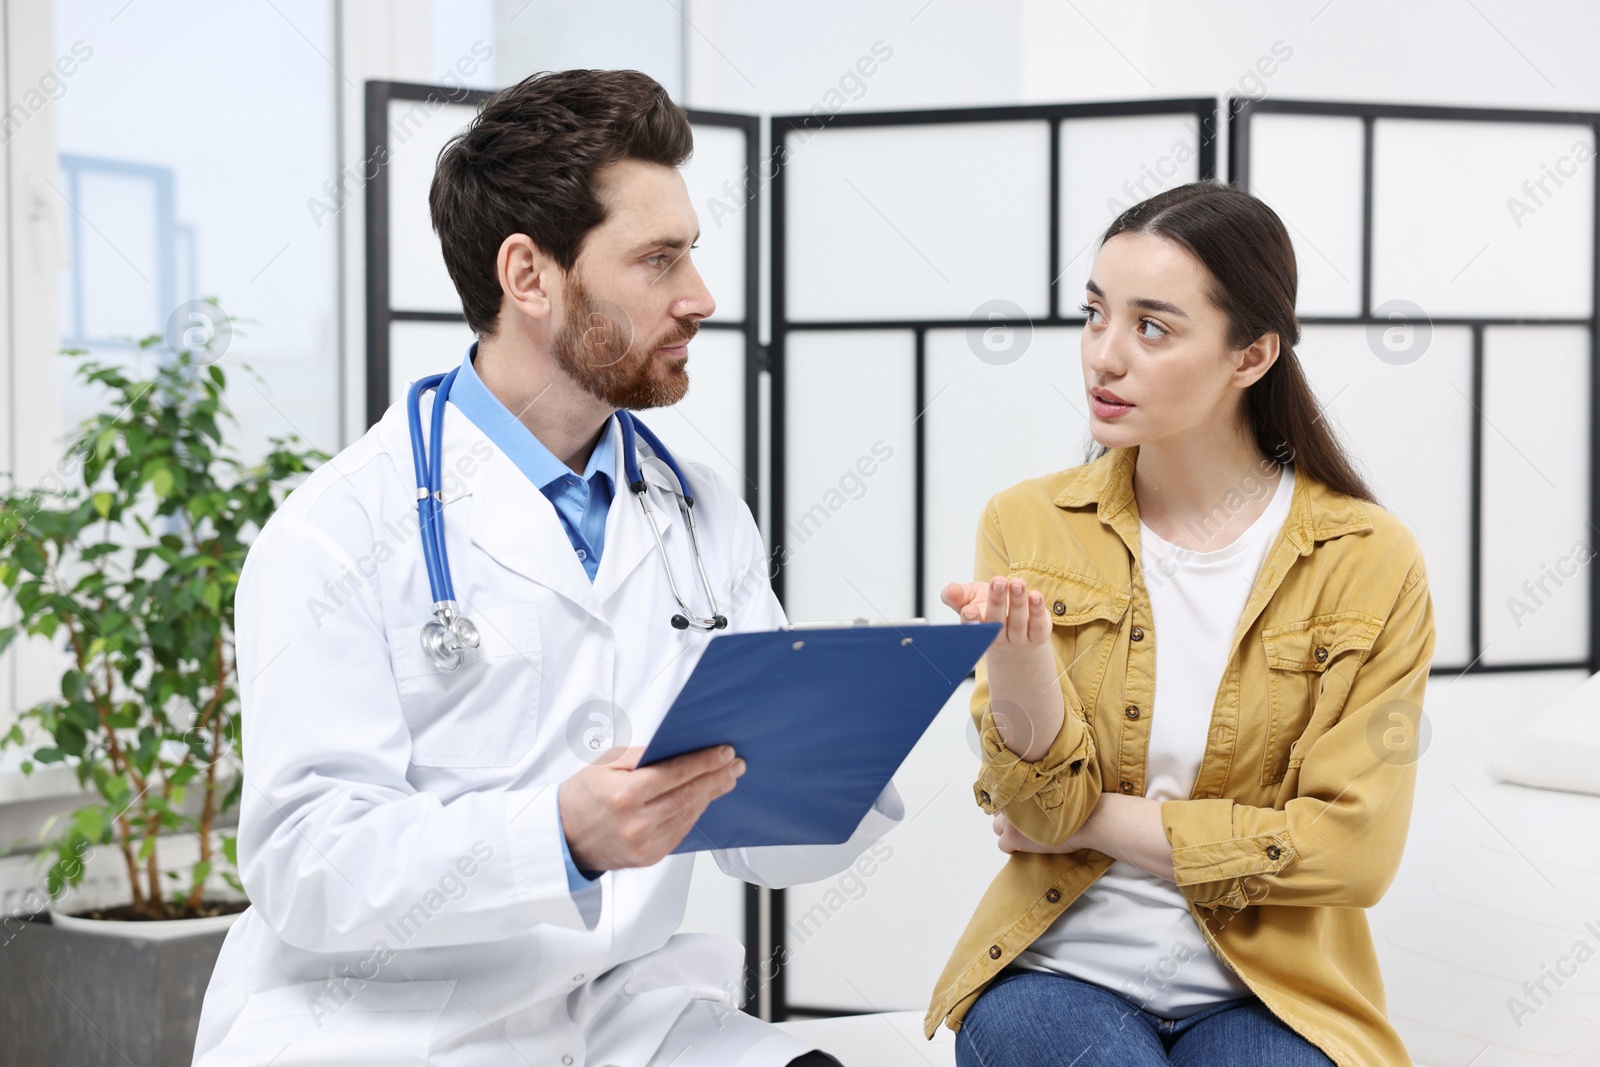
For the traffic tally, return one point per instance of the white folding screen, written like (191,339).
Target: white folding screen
(1447,291)
(1309,168)
(927,269)
(918,222)
(1112,163)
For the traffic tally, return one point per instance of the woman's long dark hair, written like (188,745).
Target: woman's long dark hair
(1244,245)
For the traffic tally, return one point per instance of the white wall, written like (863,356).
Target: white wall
(776,57)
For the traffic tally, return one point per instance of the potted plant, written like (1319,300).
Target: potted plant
(128,563)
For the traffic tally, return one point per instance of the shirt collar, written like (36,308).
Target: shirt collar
(507,433)
(1316,513)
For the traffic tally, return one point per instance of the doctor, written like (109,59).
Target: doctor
(462,866)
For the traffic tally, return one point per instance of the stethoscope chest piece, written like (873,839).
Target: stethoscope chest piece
(447,635)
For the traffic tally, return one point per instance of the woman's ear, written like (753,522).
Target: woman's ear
(526,275)
(1256,359)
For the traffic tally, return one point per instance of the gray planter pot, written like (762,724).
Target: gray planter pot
(90,999)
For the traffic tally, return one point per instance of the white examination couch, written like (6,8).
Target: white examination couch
(1489,937)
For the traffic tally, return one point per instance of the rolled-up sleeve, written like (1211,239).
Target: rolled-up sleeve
(1047,799)
(1339,842)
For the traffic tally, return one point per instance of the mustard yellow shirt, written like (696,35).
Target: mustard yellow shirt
(1299,813)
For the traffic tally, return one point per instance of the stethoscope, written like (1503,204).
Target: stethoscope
(449,632)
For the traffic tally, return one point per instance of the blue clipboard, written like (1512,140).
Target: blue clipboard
(822,718)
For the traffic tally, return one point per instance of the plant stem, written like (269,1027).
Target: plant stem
(119,763)
(209,801)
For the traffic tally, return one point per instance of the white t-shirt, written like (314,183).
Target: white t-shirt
(1129,932)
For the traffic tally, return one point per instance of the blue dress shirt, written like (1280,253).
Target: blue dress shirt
(581,503)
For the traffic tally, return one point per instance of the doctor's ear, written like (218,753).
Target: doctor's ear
(526,275)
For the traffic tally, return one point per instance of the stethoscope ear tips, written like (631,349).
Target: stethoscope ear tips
(680,623)
(721,621)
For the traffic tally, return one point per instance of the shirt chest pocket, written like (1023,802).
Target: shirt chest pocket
(485,713)
(1311,664)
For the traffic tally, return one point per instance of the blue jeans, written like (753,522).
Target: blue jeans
(1036,1019)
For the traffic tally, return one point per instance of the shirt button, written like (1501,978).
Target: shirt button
(1131,711)
(567,1060)
(1137,634)
(1272,852)
(994,952)
(1127,787)
(577,977)
(582,554)
(1059,607)
(1321,654)
(1053,895)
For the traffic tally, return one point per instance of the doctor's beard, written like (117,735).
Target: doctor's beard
(595,347)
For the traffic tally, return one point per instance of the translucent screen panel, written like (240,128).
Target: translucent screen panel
(418,280)
(851,475)
(120,249)
(421,348)
(1308,168)
(1537,543)
(715,176)
(1478,218)
(917,222)
(707,425)
(1409,427)
(1045,428)
(876,936)
(1110,164)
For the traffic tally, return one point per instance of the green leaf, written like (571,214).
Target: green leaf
(73,683)
(90,822)
(161,482)
(102,504)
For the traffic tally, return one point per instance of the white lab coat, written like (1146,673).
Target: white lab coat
(398,826)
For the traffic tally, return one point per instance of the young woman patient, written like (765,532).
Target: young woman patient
(1199,724)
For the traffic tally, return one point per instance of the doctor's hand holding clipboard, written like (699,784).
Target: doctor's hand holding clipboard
(618,814)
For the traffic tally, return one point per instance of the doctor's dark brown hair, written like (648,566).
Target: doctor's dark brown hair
(527,164)
(1245,247)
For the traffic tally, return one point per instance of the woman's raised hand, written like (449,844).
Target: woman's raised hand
(967,599)
(1001,600)
(1027,622)
(1024,683)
